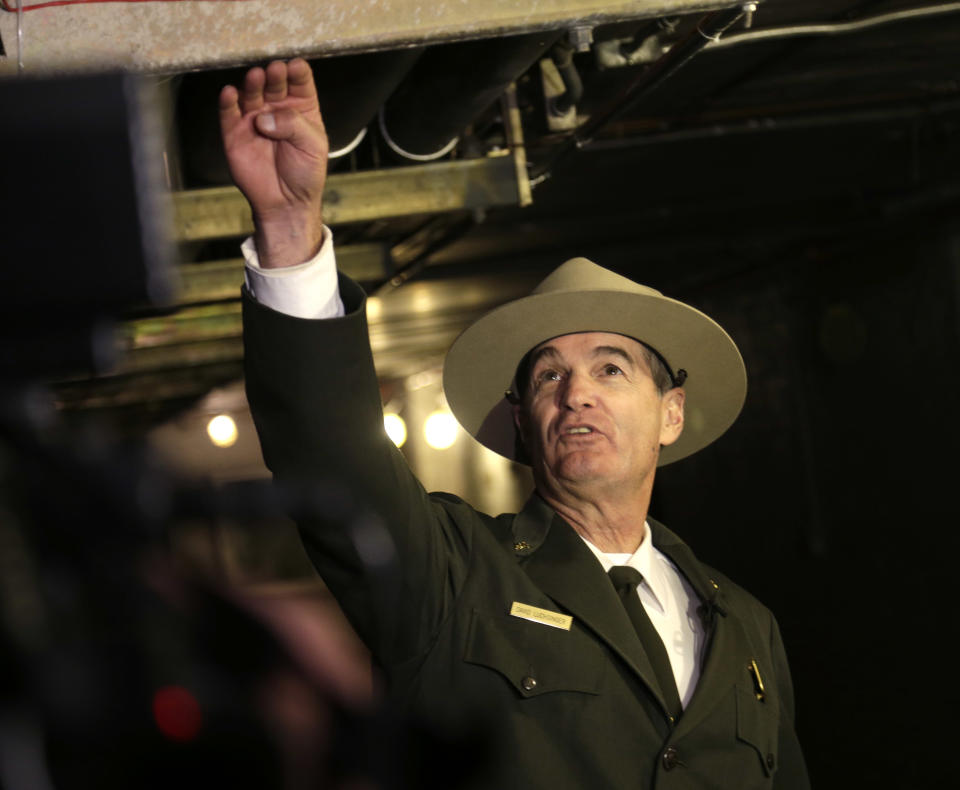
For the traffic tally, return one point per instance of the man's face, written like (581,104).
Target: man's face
(592,415)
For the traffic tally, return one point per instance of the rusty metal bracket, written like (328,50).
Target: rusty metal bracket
(223,212)
(514,128)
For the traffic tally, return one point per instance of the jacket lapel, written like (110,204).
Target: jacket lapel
(559,563)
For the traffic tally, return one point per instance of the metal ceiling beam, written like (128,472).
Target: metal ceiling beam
(177,37)
(181,356)
(211,333)
(147,390)
(222,212)
(213,281)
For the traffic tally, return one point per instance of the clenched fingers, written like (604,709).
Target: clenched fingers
(251,96)
(275,89)
(300,80)
(229,108)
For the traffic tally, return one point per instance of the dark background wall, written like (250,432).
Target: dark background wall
(833,499)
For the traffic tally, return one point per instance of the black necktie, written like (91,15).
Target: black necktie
(625,579)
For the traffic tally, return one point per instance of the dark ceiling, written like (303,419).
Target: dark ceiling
(689,169)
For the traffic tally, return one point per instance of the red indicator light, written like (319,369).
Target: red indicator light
(176,713)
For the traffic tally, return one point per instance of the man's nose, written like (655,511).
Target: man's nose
(578,392)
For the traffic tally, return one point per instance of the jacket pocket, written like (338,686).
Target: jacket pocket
(535,659)
(758,725)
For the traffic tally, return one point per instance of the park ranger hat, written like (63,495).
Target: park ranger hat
(581,296)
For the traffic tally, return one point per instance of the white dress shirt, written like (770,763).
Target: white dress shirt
(308,290)
(671,604)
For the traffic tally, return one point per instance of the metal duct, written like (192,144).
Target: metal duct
(354,87)
(450,85)
(562,56)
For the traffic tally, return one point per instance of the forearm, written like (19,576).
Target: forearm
(306,290)
(315,398)
(288,238)
(302,375)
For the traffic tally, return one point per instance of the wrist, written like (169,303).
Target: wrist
(287,239)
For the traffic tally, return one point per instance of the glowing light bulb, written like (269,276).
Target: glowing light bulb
(374,308)
(440,430)
(222,431)
(396,428)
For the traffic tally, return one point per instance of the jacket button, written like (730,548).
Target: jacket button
(528,683)
(771,761)
(671,758)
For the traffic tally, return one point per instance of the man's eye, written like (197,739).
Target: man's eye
(548,375)
(612,370)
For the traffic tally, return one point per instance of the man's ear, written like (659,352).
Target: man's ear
(520,421)
(520,424)
(672,413)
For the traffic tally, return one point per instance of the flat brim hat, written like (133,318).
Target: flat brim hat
(581,296)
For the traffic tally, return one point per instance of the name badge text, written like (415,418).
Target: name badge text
(542,616)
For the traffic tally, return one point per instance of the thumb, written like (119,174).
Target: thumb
(289,125)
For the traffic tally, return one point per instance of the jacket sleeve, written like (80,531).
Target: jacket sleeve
(393,556)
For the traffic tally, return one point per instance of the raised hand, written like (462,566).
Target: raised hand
(276,147)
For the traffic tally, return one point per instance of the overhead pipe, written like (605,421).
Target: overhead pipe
(646,45)
(708,29)
(449,86)
(352,88)
(562,57)
(837,28)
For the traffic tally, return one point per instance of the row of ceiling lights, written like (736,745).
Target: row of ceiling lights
(440,429)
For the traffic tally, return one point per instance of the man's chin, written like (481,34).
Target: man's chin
(583,468)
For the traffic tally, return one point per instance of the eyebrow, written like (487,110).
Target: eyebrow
(540,353)
(615,351)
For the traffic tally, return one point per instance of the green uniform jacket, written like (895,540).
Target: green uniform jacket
(576,708)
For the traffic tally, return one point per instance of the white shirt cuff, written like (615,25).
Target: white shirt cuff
(307,290)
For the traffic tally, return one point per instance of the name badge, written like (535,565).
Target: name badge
(543,616)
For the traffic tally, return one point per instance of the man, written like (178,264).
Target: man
(517,610)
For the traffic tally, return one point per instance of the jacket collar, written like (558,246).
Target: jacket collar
(707,589)
(533,525)
(559,562)
(727,652)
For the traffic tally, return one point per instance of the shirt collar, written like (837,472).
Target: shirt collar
(645,559)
